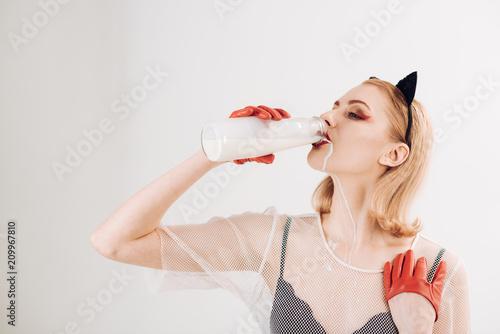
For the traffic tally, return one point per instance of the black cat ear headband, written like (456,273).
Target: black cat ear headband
(407,86)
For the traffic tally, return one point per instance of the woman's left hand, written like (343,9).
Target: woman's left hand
(414,302)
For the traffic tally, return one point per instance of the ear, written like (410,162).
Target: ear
(395,156)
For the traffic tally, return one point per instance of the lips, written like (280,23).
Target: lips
(323,142)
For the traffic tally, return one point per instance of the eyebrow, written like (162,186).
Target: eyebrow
(337,103)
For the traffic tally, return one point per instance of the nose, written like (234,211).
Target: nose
(329,117)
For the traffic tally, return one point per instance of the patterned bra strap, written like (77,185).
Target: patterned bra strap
(283,245)
(430,275)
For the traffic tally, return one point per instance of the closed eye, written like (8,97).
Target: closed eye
(355,116)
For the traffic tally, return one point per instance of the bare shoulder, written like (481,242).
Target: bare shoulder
(435,252)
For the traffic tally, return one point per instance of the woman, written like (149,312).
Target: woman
(325,272)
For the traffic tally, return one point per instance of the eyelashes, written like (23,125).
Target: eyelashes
(354,115)
(351,114)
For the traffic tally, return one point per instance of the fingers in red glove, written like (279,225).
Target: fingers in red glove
(266,159)
(387,277)
(439,276)
(421,268)
(251,111)
(274,113)
(245,112)
(408,264)
(406,277)
(283,113)
(262,112)
(398,266)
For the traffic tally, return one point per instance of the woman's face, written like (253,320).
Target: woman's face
(357,127)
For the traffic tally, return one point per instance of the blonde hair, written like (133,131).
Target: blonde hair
(396,189)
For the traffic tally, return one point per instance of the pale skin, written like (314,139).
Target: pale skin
(129,235)
(361,153)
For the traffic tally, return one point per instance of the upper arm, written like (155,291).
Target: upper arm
(144,251)
(454,312)
(196,256)
(221,244)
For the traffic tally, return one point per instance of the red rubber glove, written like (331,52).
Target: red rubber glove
(261,112)
(404,279)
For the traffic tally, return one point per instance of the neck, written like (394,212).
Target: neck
(349,222)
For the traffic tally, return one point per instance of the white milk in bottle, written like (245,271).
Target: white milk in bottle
(249,137)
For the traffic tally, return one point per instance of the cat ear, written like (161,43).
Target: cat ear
(407,86)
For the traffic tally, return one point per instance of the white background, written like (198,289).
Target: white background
(63,79)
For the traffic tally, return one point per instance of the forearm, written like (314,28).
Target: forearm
(142,213)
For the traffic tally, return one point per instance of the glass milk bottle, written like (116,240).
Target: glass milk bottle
(249,137)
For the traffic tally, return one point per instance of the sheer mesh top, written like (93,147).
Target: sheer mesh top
(292,282)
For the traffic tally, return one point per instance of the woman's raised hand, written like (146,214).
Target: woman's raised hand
(261,112)
(414,302)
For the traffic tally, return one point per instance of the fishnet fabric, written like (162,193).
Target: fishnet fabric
(316,291)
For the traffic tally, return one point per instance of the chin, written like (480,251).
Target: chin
(315,160)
